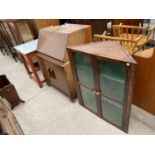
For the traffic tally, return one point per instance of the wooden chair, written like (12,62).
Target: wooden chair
(133,32)
(129,45)
(144,92)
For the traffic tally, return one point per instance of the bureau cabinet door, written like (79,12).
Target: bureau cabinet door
(56,76)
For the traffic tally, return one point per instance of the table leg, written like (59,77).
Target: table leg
(34,71)
(25,64)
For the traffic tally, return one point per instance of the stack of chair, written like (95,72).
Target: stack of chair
(6,43)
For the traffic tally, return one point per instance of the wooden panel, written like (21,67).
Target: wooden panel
(41,23)
(98,25)
(8,122)
(144,96)
(134,22)
(58,75)
(54,40)
(52,44)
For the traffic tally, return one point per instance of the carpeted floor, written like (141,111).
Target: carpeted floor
(47,111)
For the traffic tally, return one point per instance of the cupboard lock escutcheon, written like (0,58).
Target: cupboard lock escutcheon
(51,73)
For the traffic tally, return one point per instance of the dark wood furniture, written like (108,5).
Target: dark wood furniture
(7,41)
(27,53)
(133,22)
(8,122)
(37,24)
(144,93)
(8,91)
(53,56)
(104,75)
(98,25)
(20,29)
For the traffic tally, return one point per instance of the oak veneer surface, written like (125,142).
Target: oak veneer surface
(53,40)
(144,92)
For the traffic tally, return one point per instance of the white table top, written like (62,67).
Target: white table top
(28,47)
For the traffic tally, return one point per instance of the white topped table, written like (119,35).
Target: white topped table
(28,50)
(28,47)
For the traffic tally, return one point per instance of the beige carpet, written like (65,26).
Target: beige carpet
(47,111)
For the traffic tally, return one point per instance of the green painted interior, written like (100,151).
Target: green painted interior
(112,79)
(89,99)
(84,70)
(111,111)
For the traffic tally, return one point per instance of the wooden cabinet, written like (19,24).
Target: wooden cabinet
(53,55)
(104,75)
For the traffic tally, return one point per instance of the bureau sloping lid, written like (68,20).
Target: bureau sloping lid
(52,40)
(52,43)
(107,49)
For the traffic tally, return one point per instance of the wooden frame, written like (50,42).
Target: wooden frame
(129,83)
(128,44)
(134,32)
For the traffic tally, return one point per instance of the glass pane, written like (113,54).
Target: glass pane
(112,79)
(89,99)
(111,111)
(84,70)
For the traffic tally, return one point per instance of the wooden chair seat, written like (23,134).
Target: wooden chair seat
(148,53)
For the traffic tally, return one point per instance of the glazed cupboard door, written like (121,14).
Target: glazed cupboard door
(85,77)
(112,77)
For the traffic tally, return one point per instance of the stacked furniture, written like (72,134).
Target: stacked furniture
(21,30)
(7,41)
(8,122)
(52,53)
(8,91)
(104,76)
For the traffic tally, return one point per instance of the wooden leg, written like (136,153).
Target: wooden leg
(34,71)
(25,64)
